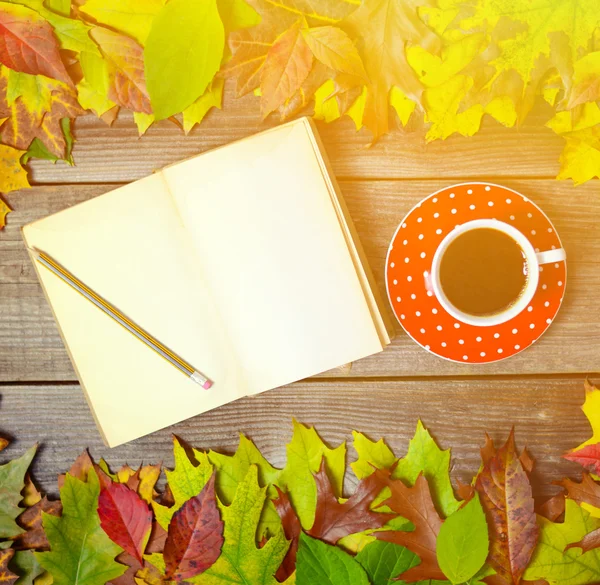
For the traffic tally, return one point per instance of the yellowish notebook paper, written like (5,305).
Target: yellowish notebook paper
(242,260)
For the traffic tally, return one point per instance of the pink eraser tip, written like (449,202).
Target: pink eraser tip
(207,384)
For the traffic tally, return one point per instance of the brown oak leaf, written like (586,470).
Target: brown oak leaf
(334,520)
(7,577)
(125,60)
(414,504)
(28,44)
(553,508)
(507,499)
(31,521)
(292,529)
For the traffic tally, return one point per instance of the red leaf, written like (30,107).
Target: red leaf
(195,536)
(589,457)
(334,520)
(291,529)
(414,504)
(506,497)
(28,44)
(125,518)
(125,59)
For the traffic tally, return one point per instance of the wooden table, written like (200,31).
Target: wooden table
(539,391)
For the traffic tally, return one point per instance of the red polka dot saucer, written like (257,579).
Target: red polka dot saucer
(409,262)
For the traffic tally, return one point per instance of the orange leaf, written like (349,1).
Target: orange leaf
(28,44)
(125,59)
(553,508)
(414,504)
(506,497)
(588,491)
(287,65)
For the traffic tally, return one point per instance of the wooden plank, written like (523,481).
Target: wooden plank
(31,349)
(114,154)
(546,414)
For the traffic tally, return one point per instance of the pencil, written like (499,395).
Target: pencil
(120,318)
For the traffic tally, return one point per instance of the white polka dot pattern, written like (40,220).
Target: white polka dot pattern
(418,310)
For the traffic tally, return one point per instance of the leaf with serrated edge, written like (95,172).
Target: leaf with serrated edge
(7,577)
(326,565)
(13,176)
(463,543)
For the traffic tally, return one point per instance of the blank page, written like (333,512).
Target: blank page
(272,251)
(131,248)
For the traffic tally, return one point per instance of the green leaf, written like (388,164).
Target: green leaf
(231,471)
(556,565)
(61,6)
(130,17)
(463,542)
(65,124)
(211,98)
(370,454)
(93,89)
(26,566)
(323,564)
(37,149)
(81,553)
(304,454)
(186,481)
(384,561)
(241,561)
(424,456)
(183,52)
(12,481)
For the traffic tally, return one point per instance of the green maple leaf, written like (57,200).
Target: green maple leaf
(304,454)
(185,481)
(241,561)
(80,551)
(556,565)
(370,454)
(12,481)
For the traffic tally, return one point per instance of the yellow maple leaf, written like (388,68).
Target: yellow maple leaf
(383,29)
(211,98)
(538,20)
(591,409)
(92,90)
(580,158)
(586,80)
(12,174)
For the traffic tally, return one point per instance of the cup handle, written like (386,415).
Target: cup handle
(550,256)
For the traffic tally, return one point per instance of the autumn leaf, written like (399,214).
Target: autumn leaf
(507,499)
(94,87)
(586,80)
(13,176)
(12,481)
(174,80)
(125,518)
(463,544)
(34,536)
(557,564)
(591,405)
(327,565)
(130,17)
(553,508)
(334,520)
(383,29)
(414,504)
(195,536)
(211,98)
(26,566)
(7,577)
(80,552)
(371,455)
(28,44)
(35,107)
(334,48)
(292,530)
(125,63)
(286,66)
(304,454)
(185,481)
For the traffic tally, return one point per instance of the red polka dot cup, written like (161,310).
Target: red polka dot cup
(427,318)
(533,260)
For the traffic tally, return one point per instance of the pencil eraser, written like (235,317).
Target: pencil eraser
(207,384)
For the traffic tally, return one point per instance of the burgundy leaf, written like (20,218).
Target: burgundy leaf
(195,536)
(291,529)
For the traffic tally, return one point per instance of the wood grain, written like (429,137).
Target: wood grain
(31,349)
(116,154)
(546,414)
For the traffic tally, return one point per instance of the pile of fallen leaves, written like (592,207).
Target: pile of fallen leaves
(237,519)
(449,62)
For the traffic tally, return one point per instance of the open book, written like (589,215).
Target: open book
(243,261)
